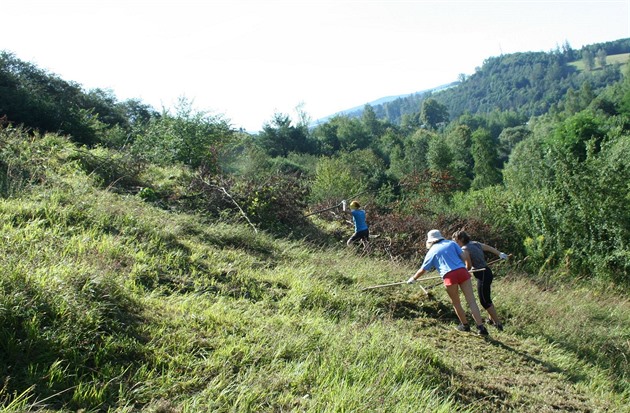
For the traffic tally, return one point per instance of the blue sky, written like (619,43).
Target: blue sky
(248,59)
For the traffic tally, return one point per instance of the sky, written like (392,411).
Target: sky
(246,60)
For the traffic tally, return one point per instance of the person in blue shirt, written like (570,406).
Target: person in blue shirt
(361,228)
(450,261)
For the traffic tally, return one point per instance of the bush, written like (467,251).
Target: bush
(111,168)
(28,159)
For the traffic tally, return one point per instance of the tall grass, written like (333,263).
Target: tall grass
(108,302)
(111,304)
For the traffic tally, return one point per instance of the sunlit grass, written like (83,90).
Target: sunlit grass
(109,303)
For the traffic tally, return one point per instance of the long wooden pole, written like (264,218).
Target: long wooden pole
(382,285)
(322,210)
(423,278)
(397,283)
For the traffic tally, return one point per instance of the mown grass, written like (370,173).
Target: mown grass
(109,303)
(621,59)
(593,325)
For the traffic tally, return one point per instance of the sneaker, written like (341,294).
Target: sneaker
(498,326)
(463,327)
(481,329)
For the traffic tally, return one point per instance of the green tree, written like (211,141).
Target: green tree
(509,138)
(485,156)
(189,137)
(439,156)
(459,141)
(433,113)
(342,176)
(43,101)
(589,60)
(279,137)
(372,125)
(342,133)
(412,157)
(601,58)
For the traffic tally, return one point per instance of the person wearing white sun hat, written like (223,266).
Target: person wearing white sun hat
(449,259)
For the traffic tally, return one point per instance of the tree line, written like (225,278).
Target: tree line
(529,152)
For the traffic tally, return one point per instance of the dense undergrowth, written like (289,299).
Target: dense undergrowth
(113,301)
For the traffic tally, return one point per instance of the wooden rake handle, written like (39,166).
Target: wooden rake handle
(397,283)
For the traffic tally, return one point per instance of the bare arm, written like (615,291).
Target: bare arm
(488,248)
(465,256)
(493,250)
(417,275)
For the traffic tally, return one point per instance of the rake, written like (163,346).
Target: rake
(400,283)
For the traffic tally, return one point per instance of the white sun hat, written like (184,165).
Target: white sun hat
(433,236)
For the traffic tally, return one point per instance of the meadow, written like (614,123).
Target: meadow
(111,303)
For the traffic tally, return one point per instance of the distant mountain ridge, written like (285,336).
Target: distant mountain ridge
(357,110)
(530,83)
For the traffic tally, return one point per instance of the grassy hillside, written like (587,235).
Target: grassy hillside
(111,303)
(620,59)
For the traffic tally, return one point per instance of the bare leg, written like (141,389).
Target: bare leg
(466,287)
(453,293)
(493,314)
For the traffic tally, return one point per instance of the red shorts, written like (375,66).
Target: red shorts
(456,277)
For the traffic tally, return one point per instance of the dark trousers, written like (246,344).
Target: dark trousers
(484,280)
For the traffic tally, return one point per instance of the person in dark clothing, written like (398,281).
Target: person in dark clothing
(483,273)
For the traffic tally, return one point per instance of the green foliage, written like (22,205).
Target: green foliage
(411,158)
(459,142)
(345,176)
(275,204)
(189,137)
(335,180)
(569,197)
(111,168)
(42,101)
(486,160)
(509,138)
(439,155)
(433,113)
(576,133)
(343,133)
(279,137)
(27,160)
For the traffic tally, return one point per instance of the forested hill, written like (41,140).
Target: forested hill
(167,263)
(530,83)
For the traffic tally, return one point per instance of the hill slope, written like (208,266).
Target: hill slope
(529,83)
(111,303)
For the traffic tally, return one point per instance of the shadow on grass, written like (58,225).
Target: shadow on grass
(56,348)
(549,367)
(613,361)
(401,305)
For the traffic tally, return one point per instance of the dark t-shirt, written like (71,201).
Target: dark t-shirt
(476,254)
